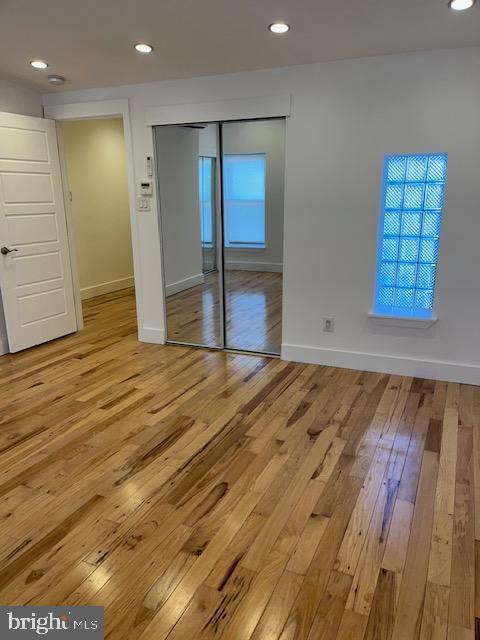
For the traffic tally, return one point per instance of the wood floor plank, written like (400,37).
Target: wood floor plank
(382,612)
(462,584)
(366,575)
(331,608)
(412,591)
(395,555)
(437,595)
(276,612)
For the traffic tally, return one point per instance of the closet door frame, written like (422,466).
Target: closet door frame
(220,237)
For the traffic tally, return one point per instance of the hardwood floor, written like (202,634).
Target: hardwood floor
(201,494)
(253,309)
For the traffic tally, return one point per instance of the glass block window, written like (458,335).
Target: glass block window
(411,214)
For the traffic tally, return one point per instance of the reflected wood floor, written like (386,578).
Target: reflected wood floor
(199,494)
(253,310)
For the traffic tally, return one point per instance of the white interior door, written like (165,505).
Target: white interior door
(35,272)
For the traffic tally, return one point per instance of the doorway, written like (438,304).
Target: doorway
(96,180)
(221,195)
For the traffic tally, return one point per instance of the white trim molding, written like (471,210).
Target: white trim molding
(186,283)
(108,109)
(106,287)
(155,336)
(383,363)
(86,110)
(222,110)
(244,265)
(401,321)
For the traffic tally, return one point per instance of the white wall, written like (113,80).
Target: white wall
(177,156)
(16,99)
(346,116)
(266,137)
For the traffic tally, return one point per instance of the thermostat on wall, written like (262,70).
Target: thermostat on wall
(146,188)
(149,166)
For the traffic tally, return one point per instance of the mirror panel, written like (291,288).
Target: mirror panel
(253,203)
(188,175)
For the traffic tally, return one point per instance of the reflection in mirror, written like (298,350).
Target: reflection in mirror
(187,176)
(253,194)
(207,194)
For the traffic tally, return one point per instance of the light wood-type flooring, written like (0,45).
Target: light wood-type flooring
(202,494)
(253,308)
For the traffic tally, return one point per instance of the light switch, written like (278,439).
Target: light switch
(143,204)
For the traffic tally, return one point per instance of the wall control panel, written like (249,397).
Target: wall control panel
(146,188)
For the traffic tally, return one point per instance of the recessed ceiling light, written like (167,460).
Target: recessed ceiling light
(279,27)
(461,5)
(143,47)
(38,64)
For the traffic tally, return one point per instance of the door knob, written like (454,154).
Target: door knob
(5,250)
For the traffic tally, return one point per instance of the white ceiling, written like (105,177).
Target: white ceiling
(90,41)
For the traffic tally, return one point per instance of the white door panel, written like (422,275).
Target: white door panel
(21,188)
(36,276)
(19,144)
(34,269)
(45,305)
(43,227)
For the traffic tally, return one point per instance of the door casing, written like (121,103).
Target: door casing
(96,110)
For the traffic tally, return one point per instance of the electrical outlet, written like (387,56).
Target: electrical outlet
(329,324)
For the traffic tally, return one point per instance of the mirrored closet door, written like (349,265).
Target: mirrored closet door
(253,190)
(221,188)
(187,180)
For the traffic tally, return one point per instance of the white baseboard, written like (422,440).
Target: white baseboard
(399,365)
(106,287)
(239,265)
(186,283)
(155,336)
